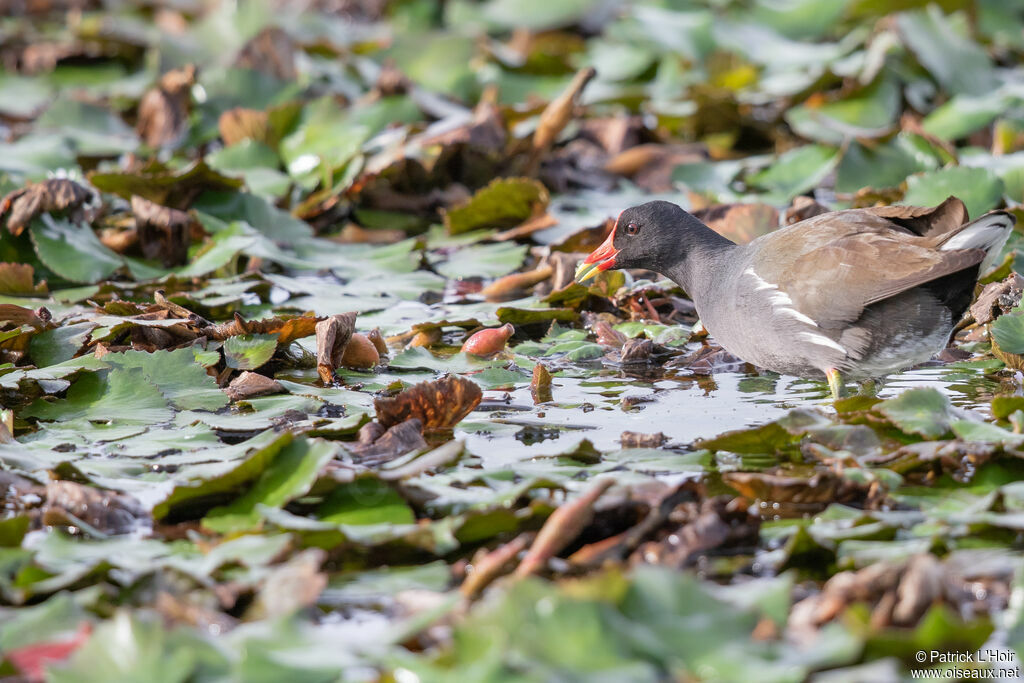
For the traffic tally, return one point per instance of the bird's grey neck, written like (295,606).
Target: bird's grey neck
(703,267)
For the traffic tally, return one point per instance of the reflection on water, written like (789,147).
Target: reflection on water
(684,408)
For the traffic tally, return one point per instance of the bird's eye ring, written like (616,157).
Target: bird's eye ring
(632,229)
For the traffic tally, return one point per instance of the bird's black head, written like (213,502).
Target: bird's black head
(650,236)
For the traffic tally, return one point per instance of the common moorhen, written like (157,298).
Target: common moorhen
(862,292)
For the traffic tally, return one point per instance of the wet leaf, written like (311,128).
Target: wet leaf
(249,351)
(440,404)
(920,411)
(49,196)
(979,189)
(953,59)
(504,203)
(796,171)
(289,475)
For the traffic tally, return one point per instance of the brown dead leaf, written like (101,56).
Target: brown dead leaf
(489,565)
(740,222)
(49,196)
(803,208)
(163,233)
(516,285)
(286,329)
(110,512)
(527,227)
(19,315)
(559,111)
(898,594)
(377,339)
(332,336)
(438,404)
(641,440)
(540,385)
(164,109)
(290,586)
(271,52)
(485,131)
(919,589)
(636,351)
(998,298)
(236,125)
(16,279)
(718,522)
(562,528)
(378,445)
(250,384)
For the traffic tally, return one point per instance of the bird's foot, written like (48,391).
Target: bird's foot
(869,387)
(835,383)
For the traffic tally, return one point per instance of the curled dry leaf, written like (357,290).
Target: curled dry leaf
(163,233)
(163,111)
(19,315)
(110,512)
(641,440)
(271,52)
(360,353)
(636,350)
(559,111)
(332,336)
(562,528)
(16,279)
(427,337)
(378,445)
(540,385)
(49,196)
(250,384)
(740,222)
(291,586)
(516,285)
(898,594)
(998,298)
(489,565)
(236,125)
(490,341)
(718,522)
(286,329)
(608,335)
(803,208)
(438,404)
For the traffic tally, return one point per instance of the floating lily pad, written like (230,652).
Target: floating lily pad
(249,351)
(919,411)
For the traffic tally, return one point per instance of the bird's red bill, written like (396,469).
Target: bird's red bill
(600,259)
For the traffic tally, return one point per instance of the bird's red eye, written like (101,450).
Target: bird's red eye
(632,229)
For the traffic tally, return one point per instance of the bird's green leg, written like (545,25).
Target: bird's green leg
(835,383)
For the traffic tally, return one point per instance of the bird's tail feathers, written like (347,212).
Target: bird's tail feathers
(989,232)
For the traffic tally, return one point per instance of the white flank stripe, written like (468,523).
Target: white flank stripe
(822,340)
(797,314)
(781,302)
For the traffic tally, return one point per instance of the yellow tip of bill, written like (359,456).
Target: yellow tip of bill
(585,271)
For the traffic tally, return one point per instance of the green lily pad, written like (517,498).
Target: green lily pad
(289,475)
(504,203)
(922,411)
(249,351)
(796,171)
(72,251)
(978,188)
(1008,332)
